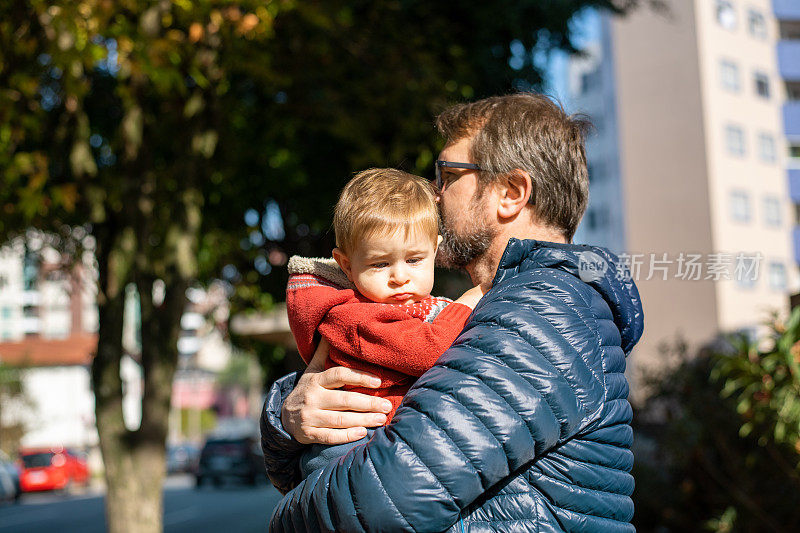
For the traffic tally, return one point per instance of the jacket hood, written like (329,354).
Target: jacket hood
(593,265)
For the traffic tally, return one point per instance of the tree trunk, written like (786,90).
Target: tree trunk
(134,459)
(132,504)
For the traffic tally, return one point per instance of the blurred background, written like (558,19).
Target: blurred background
(160,162)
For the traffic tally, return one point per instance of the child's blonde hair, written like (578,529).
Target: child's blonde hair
(381,199)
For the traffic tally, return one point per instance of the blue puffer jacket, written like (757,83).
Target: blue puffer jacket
(522,425)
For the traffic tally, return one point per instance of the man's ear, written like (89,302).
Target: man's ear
(344,263)
(514,190)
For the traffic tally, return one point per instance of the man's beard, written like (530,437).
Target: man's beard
(459,249)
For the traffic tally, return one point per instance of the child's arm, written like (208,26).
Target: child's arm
(388,336)
(472,296)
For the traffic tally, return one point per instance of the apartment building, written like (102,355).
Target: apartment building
(695,162)
(49,323)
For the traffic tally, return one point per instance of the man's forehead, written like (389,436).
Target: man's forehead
(458,150)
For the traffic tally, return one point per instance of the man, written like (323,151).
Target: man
(523,424)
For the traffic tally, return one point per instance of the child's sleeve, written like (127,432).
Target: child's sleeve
(388,336)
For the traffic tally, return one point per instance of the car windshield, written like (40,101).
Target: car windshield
(37,460)
(235,448)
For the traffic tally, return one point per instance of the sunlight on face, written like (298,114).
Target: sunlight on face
(393,267)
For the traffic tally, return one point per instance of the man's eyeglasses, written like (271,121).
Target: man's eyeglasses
(450,164)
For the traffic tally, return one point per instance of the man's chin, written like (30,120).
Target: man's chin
(456,251)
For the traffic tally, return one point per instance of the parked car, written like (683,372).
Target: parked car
(51,469)
(9,479)
(224,458)
(182,458)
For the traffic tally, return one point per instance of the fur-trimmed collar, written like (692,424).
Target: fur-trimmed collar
(320,266)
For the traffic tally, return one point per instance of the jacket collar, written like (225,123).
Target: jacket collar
(593,265)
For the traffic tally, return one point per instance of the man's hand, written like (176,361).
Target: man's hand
(315,412)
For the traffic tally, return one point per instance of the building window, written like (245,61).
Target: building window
(794,154)
(597,219)
(6,313)
(789,30)
(734,140)
(598,124)
(772,211)
(762,84)
(726,15)
(745,282)
(766,147)
(589,81)
(740,206)
(793,91)
(591,220)
(756,24)
(729,75)
(597,171)
(777,276)
(30,272)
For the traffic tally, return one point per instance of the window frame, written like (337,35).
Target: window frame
(760,32)
(738,130)
(731,67)
(765,139)
(741,210)
(762,78)
(719,5)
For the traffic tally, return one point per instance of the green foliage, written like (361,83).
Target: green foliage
(765,384)
(13,401)
(194,424)
(153,126)
(238,371)
(176,114)
(696,468)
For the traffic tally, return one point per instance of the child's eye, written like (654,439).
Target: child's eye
(379,265)
(413,260)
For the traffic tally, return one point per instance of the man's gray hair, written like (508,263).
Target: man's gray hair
(531,132)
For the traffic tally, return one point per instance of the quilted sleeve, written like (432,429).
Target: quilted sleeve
(524,376)
(281,451)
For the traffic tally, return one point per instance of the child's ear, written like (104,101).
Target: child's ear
(344,262)
(439,240)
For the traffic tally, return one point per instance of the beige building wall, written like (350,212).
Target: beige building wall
(663,170)
(678,173)
(749,173)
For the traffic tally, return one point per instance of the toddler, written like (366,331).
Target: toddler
(372,302)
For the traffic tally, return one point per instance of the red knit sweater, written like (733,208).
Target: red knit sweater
(394,342)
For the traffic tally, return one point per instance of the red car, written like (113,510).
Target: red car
(51,469)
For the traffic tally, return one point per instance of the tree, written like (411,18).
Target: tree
(13,402)
(718,444)
(155,126)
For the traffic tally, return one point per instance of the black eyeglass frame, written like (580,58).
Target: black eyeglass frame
(450,164)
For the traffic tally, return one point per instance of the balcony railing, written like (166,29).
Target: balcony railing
(31,324)
(786,9)
(31,298)
(794,184)
(791,119)
(789,60)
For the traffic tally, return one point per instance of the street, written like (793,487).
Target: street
(235,508)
